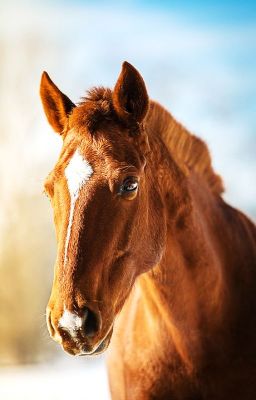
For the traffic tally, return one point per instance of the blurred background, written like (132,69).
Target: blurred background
(197,58)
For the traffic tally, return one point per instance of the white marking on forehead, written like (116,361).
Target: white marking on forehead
(71,322)
(77,173)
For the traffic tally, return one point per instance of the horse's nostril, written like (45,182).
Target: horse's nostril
(91,324)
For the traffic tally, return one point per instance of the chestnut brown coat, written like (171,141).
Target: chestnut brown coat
(155,255)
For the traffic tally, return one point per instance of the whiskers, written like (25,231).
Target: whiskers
(43,327)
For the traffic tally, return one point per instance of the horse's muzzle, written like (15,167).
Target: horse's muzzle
(79,333)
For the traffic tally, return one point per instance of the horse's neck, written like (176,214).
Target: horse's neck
(193,287)
(193,213)
(186,287)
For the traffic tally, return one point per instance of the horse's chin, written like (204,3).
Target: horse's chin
(101,348)
(103,345)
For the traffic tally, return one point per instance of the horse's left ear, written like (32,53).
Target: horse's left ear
(57,106)
(130,97)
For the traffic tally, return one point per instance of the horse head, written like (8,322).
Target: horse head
(107,208)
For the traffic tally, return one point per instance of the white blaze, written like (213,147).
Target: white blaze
(77,173)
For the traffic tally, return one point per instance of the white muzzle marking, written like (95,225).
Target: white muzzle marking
(77,173)
(71,322)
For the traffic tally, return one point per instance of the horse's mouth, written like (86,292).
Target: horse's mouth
(78,348)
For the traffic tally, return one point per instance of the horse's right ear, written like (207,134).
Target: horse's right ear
(57,106)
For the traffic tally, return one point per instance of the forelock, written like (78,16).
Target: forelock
(93,110)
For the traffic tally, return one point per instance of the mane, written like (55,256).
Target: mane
(184,147)
(187,149)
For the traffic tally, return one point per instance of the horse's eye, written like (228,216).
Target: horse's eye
(129,185)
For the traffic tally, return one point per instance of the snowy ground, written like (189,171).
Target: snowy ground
(69,378)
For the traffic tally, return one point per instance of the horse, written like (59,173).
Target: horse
(149,255)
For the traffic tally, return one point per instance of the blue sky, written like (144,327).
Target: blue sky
(222,12)
(218,10)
